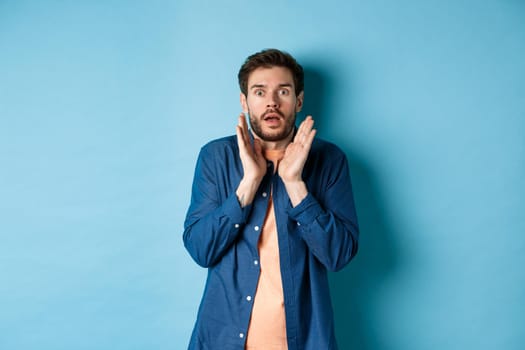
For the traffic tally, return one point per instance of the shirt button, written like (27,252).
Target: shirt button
(264,194)
(298,224)
(249,298)
(255,262)
(256,228)
(236,225)
(241,335)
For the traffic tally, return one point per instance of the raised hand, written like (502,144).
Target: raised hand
(253,164)
(292,164)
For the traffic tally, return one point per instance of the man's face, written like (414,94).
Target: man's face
(271,103)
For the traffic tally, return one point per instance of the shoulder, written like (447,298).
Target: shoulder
(326,165)
(326,150)
(226,141)
(220,146)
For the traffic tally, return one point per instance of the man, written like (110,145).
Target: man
(271,211)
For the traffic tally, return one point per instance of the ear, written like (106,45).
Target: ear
(244,103)
(299,102)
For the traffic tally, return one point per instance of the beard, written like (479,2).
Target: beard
(277,135)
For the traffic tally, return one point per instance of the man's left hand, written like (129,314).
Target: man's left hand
(292,164)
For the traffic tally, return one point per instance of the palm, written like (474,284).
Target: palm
(253,162)
(292,164)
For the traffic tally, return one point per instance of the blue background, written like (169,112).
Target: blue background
(104,106)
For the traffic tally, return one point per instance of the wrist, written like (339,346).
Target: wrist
(246,191)
(296,190)
(252,179)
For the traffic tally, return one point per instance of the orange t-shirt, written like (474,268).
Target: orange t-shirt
(267,330)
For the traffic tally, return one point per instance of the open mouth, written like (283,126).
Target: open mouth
(272,116)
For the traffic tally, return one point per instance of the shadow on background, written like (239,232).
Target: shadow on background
(355,289)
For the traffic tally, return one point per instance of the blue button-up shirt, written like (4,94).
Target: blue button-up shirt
(317,235)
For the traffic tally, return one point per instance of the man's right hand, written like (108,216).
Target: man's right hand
(253,164)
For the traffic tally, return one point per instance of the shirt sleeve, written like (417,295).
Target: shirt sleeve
(212,223)
(328,223)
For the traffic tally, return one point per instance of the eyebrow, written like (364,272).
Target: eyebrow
(256,86)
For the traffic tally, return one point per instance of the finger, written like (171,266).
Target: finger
(257,147)
(310,139)
(308,125)
(242,123)
(240,139)
(241,133)
(304,123)
(240,119)
(246,132)
(299,132)
(304,130)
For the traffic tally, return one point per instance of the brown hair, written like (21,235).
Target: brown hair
(271,58)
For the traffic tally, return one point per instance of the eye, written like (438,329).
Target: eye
(258,93)
(284,92)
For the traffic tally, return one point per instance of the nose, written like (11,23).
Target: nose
(273,101)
